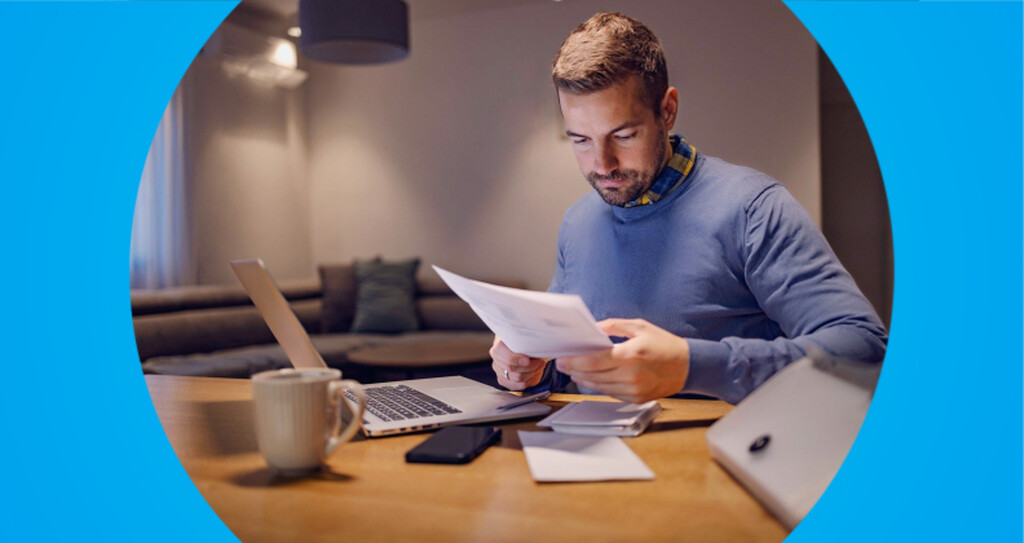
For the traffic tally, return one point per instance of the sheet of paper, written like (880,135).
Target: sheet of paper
(537,324)
(555,457)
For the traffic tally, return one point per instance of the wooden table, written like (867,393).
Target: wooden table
(368,493)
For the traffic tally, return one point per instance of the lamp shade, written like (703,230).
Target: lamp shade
(354,31)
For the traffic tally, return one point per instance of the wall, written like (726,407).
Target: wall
(455,154)
(246,158)
(854,208)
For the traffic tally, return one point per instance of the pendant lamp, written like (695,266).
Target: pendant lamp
(354,31)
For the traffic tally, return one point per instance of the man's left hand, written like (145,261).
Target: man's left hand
(652,363)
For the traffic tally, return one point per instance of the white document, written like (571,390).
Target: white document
(537,324)
(555,457)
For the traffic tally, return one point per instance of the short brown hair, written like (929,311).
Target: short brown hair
(607,49)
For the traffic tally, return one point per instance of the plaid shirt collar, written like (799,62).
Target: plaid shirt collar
(672,175)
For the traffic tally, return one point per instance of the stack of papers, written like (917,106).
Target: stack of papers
(556,457)
(603,418)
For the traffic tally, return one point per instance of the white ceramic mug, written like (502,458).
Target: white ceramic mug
(299,415)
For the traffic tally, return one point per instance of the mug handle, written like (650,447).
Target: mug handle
(336,393)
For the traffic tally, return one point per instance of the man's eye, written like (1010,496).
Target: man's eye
(579,140)
(625,137)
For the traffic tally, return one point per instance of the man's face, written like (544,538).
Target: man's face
(619,143)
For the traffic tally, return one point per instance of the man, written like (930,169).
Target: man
(713,274)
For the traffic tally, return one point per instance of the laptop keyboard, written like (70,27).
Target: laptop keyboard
(401,402)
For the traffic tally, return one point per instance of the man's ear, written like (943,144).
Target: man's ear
(670,107)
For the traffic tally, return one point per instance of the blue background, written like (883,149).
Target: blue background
(84,84)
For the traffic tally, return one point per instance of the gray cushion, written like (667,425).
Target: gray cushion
(339,286)
(385,296)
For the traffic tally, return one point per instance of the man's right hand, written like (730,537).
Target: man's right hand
(515,371)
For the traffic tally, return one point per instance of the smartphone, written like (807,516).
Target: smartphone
(454,445)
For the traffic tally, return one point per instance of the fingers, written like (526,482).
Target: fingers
(500,351)
(517,376)
(515,371)
(526,364)
(518,363)
(514,362)
(626,328)
(516,380)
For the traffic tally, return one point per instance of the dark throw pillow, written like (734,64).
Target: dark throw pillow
(339,287)
(385,296)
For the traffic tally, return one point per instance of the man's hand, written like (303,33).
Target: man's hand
(515,371)
(652,363)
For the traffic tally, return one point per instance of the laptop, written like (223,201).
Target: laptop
(395,407)
(786,440)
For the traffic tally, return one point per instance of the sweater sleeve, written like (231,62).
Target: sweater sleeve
(800,284)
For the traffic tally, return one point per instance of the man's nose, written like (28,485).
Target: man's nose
(605,161)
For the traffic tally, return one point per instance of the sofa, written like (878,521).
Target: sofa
(215,331)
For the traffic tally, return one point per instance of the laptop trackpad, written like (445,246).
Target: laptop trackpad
(462,392)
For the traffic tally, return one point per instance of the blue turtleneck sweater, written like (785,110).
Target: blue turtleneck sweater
(727,259)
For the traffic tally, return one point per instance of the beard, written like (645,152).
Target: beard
(635,182)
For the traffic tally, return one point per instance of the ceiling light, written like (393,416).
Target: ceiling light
(284,54)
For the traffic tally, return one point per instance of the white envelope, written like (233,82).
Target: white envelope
(555,457)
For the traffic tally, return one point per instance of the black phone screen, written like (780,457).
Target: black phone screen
(454,445)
